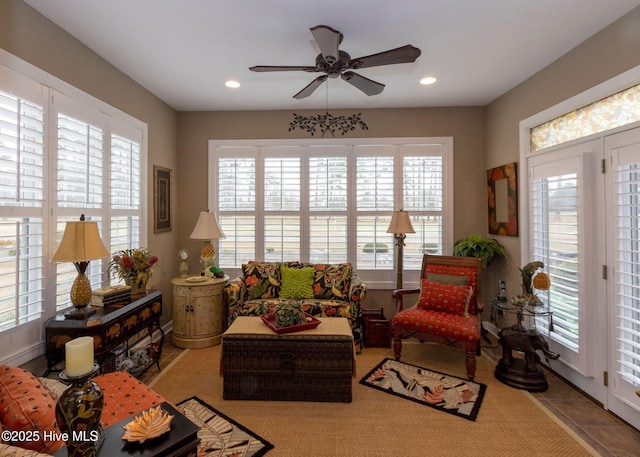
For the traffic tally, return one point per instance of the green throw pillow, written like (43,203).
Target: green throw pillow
(296,283)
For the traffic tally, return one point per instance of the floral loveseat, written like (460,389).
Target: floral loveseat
(27,404)
(323,290)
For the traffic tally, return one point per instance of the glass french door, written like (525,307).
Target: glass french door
(622,152)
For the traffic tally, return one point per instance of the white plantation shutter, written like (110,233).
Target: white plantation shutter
(374,181)
(80,163)
(236,187)
(125,190)
(22,120)
(329,202)
(626,175)
(328,239)
(328,183)
(56,149)
(423,198)
(282,184)
(554,231)
(125,173)
(237,184)
(282,235)
(21,271)
(374,194)
(423,184)
(21,152)
(239,245)
(375,245)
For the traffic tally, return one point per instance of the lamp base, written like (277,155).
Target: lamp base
(80,313)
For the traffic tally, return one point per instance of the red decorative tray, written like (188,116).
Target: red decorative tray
(270,320)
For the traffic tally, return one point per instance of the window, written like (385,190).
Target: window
(621,108)
(331,202)
(62,154)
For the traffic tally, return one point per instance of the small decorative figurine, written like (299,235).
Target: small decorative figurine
(216,272)
(184,266)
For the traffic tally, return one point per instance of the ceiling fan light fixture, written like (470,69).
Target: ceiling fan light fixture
(232,84)
(334,62)
(428,80)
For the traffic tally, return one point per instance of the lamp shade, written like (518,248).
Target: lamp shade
(207,227)
(400,223)
(81,242)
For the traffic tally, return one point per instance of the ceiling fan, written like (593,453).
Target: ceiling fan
(333,63)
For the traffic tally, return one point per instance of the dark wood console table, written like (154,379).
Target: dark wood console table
(109,327)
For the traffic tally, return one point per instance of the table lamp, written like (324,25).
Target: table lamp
(207,229)
(399,226)
(80,243)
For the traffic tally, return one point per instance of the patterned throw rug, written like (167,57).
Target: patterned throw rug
(220,435)
(438,390)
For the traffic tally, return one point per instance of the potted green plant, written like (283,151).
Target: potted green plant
(478,246)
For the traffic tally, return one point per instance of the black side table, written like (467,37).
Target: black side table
(181,441)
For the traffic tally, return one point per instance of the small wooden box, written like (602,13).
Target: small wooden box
(378,333)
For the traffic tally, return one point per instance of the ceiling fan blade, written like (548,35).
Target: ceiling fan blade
(328,40)
(404,54)
(312,86)
(366,85)
(262,68)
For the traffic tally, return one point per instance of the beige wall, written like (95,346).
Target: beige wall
(612,51)
(27,34)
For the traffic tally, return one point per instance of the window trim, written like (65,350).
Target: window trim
(383,279)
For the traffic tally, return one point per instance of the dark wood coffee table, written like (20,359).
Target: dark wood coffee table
(181,441)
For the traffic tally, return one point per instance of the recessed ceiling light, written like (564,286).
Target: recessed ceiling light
(428,80)
(232,84)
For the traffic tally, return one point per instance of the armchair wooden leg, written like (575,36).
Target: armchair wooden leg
(471,364)
(397,342)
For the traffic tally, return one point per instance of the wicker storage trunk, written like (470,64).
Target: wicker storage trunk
(292,367)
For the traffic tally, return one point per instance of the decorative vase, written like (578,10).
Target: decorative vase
(137,287)
(78,413)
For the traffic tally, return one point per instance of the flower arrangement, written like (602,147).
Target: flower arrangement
(132,265)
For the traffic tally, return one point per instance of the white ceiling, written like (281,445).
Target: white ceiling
(184,50)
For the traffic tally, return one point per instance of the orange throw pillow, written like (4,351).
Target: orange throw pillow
(25,405)
(446,298)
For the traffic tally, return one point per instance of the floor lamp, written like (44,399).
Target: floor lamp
(400,225)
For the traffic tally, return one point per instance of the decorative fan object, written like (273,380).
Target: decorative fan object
(333,63)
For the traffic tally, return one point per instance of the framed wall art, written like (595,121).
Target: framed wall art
(502,197)
(161,199)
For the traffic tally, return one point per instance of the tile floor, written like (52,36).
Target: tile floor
(607,434)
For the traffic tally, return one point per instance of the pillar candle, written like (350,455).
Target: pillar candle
(79,356)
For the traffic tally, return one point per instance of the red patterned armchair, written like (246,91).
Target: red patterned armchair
(448,309)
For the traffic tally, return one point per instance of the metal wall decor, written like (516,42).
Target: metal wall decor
(327,123)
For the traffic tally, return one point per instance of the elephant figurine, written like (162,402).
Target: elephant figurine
(527,341)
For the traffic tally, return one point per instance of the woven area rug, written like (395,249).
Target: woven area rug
(510,423)
(438,390)
(219,434)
